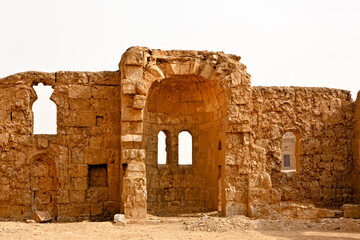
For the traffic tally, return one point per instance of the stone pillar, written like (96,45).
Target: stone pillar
(133,157)
(134,183)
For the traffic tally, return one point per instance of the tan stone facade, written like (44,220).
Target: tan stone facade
(103,159)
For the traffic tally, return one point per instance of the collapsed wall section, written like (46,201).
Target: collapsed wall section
(321,120)
(56,173)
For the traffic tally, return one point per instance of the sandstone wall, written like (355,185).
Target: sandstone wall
(51,172)
(175,105)
(321,119)
(103,159)
(142,69)
(356,151)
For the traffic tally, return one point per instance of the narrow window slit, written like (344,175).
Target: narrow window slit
(185,148)
(162,154)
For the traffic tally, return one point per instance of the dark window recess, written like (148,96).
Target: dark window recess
(286,160)
(98,175)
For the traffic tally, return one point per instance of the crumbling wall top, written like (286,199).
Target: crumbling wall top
(142,56)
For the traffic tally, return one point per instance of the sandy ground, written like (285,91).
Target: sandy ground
(191,228)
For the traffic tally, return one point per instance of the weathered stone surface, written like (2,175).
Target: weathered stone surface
(41,216)
(119,219)
(351,210)
(139,102)
(104,158)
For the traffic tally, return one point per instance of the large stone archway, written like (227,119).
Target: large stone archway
(184,103)
(217,110)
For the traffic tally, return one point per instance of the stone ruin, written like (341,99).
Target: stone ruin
(258,151)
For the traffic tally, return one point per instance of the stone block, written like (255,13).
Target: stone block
(191,96)
(80,183)
(63,196)
(351,210)
(156,72)
(43,142)
(130,114)
(96,142)
(184,68)
(136,167)
(78,170)
(134,58)
(42,216)
(131,138)
(132,128)
(133,73)
(85,119)
(172,69)
(68,77)
(79,91)
(207,71)
(142,88)
(76,155)
(135,212)
(4,192)
(96,209)
(119,219)
(139,102)
(128,86)
(195,67)
(133,154)
(77,196)
(4,139)
(111,207)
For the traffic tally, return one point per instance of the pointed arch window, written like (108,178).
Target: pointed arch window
(185,148)
(44,111)
(162,154)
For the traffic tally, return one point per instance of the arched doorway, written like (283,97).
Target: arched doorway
(192,106)
(43,185)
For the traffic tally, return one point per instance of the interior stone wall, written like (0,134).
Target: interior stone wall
(50,172)
(322,120)
(175,105)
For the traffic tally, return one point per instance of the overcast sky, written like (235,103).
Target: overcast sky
(287,43)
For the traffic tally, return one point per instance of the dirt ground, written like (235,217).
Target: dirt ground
(188,228)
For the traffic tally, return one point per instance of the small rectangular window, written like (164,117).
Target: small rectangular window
(98,175)
(286,160)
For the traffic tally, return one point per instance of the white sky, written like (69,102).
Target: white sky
(285,43)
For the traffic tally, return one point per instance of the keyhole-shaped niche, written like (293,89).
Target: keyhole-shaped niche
(44,111)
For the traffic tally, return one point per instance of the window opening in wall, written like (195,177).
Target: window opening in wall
(185,148)
(98,175)
(161,148)
(286,160)
(44,111)
(288,152)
